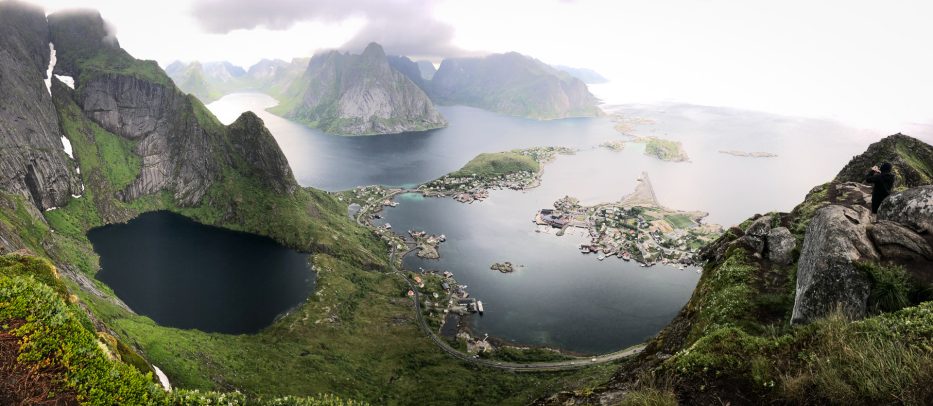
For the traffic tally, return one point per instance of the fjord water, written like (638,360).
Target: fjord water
(559,297)
(187,275)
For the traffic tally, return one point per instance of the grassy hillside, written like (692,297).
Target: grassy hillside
(65,360)
(488,165)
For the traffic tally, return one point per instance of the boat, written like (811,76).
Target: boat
(479,306)
(601,257)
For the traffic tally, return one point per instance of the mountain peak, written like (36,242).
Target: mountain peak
(374,50)
(908,155)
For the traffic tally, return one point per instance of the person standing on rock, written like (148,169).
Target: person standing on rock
(882,180)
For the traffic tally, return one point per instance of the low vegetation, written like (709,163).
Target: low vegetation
(497,164)
(665,150)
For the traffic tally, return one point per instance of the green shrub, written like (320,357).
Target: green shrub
(649,397)
(53,337)
(890,287)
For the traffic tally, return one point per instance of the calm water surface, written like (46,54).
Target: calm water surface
(187,275)
(559,297)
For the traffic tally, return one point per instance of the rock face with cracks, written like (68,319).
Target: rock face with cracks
(33,162)
(827,276)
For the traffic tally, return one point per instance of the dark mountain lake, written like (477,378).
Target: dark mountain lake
(188,275)
(558,297)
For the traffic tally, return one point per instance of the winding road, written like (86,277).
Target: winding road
(575,363)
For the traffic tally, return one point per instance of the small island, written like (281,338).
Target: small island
(615,145)
(626,125)
(665,150)
(745,154)
(518,169)
(427,244)
(503,267)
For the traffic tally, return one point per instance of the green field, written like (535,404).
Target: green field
(489,165)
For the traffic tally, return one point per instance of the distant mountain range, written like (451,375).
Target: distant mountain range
(513,84)
(588,76)
(371,93)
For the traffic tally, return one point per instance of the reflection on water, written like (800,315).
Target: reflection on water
(562,298)
(189,275)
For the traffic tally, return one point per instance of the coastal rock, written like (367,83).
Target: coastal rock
(503,267)
(362,95)
(895,241)
(781,245)
(33,161)
(912,208)
(826,274)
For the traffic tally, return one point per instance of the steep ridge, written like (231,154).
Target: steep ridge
(183,148)
(513,84)
(845,318)
(359,95)
(33,160)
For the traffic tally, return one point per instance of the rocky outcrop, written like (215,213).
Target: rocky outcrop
(361,95)
(33,162)
(513,84)
(912,208)
(781,245)
(895,241)
(827,276)
(912,160)
(250,139)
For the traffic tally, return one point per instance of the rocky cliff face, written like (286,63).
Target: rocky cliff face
(827,276)
(183,148)
(263,160)
(33,161)
(361,95)
(513,84)
(410,69)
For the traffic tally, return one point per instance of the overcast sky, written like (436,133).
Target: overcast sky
(866,63)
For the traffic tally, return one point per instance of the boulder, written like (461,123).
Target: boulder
(827,277)
(760,227)
(781,244)
(912,208)
(895,241)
